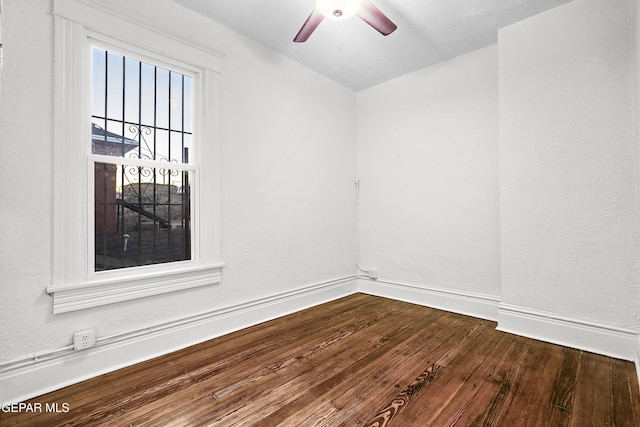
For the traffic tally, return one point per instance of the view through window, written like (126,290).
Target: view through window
(141,143)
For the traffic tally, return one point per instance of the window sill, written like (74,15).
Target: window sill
(95,293)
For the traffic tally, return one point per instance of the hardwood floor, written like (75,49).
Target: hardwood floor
(358,361)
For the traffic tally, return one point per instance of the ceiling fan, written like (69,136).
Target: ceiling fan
(343,9)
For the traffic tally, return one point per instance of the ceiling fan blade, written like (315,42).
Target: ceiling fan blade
(378,20)
(309,26)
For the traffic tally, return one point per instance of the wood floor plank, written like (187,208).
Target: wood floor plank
(287,413)
(225,385)
(622,395)
(432,349)
(331,357)
(465,389)
(584,402)
(559,412)
(259,371)
(386,415)
(603,399)
(497,391)
(88,397)
(357,360)
(528,407)
(378,383)
(460,367)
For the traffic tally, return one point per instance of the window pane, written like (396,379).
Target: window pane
(139,110)
(147,94)
(132,90)
(175,102)
(188,103)
(162,98)
(142,216)
(162,145)
(114,138)
(99,83)
(115,84)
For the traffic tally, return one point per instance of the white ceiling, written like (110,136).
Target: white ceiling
(354,54)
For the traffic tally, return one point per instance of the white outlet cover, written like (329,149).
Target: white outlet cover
(84,339)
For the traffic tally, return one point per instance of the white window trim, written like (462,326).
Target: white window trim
(74,284)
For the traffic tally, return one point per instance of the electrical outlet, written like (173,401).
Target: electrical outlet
(84,339)
(373,274)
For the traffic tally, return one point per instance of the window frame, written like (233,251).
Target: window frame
(93,159)
(75,284)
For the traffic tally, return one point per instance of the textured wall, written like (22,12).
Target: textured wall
(568,163)
(427,159)
(428,163)
(636,5)
(287,180)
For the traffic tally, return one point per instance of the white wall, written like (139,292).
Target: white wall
(636,5)
(508,174)
(428,168)
(287,181)
(551,242)
(568,164)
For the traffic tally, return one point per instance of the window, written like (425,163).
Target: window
(141,138)
(136,163)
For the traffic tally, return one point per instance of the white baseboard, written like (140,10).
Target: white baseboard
(30,377)
(606,340)
(33,376)
(482,306)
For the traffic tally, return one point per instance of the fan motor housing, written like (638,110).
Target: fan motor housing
(338,9)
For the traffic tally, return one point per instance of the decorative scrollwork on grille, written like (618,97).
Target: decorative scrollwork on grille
(137,130)
(140,171)
(147,151)
(168,172)
(144,151)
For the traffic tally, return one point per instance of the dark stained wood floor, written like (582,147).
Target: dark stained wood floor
(358,361)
